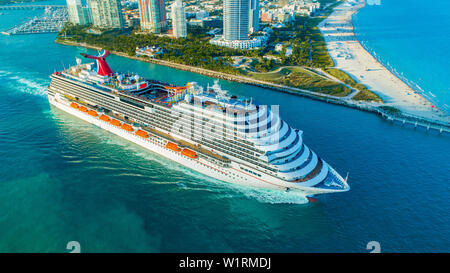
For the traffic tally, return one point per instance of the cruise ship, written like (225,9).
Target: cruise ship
(225,137)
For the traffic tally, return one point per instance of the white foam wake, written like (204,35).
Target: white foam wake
(276,197)
(29,86)
(29,83)
(222,188)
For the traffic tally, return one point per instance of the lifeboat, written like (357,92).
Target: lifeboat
(142,134)
(83,109)
(189,153)
(172,146)
(74,105)
(92,113)
(104,118)
(127,127)
(115,122)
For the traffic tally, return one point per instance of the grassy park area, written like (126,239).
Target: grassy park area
(297,69)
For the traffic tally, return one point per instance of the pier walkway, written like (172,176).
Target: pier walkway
(416,122)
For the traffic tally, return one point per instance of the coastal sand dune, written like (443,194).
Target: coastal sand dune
(349,56)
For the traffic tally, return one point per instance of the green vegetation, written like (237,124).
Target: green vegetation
(304,79)
(364,93)
(391,110)
(367,95)
(308,45)
(195,50)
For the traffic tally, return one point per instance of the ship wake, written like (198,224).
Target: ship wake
(31,84)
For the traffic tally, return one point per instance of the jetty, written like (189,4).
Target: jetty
(416,122)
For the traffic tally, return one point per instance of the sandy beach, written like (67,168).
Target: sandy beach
(350,56)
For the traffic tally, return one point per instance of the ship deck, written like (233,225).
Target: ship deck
(155,92)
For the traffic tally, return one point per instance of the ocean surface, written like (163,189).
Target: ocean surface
(62,179)
(411,38)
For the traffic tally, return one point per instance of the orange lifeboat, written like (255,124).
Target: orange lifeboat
(127,127)
(115,122)
(189,153)
(92,113)
(173,147)
(104,118)
(74,105)
(142,134)
(83,109)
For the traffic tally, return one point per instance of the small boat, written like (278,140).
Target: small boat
(189,153)
(104,118)
(127,127)
(172,146)
(142,134)
(92,113)
(115,122)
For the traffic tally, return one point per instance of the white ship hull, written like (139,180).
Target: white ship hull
(233,174)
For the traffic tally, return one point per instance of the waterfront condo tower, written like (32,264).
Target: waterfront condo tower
(153,15)
(236,19)
(179,19)
(254,16)
(78,14)
(106,13)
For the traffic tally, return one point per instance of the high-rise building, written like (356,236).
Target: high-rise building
(235,19)
(153,15)
(254,16)
(179,20)
(75,10)
(87,15)
(79,13)
(106,13)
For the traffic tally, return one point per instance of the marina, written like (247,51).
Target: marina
(52,21)
(30,7)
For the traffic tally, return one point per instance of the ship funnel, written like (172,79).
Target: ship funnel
(103,68)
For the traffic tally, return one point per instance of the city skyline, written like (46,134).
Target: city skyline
(240,17)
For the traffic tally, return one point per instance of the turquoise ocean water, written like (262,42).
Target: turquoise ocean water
(412,39)
(62,179)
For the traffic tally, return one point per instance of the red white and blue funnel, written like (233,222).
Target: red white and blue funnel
(103,68)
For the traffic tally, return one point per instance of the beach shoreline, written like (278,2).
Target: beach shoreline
(350,56)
